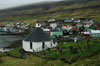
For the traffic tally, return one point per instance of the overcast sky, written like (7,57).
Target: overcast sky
(11,3)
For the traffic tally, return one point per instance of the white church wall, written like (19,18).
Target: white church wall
(37,46)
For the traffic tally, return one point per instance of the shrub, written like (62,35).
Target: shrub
(15,53)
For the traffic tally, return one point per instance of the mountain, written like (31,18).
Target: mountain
(59,10)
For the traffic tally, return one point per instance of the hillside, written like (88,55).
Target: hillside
(58,10)
(49,58)
(33,61)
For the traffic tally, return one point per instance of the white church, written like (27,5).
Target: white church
(37,41)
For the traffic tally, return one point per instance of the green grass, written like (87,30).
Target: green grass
(81,58)
(15,53)
(70,57)
(30,61)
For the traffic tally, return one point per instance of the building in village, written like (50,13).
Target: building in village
(95,33)
(93,27)
(98,25)
(46,29)
(86,27)
(88,21)
(15,27)
(69,28)
(78,25)
(87,34)
(9,27)
(53,25)
(51,20)
(64,27)
(77,20)
(56,33)
(69,20)
(38,24)
(37,41)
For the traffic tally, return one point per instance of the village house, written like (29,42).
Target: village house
(88,21)
(69,27)
(77,20)
(1,29)
(95,33)
(43,23)
(37,41)
(64,27)
(93,27)
(69,20)
(87,27)
(22,25)
(38,24)
(9,27)
(53,25)
(98,25)
(56,33)
(74,28)
(87,34)
(51,20)
(18,25)
(46,29)
(78,25)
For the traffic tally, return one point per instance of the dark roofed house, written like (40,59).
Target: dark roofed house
(94,27)
(37,41)
(98,25)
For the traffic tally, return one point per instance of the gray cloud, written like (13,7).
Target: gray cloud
(11,3)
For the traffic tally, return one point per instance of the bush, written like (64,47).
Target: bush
(15,53)
(3,54)
(69,57)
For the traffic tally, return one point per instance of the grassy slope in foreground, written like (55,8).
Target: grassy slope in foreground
(30,61)
(35,61)
(82,58)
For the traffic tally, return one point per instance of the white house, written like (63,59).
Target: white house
(77,20)
(89,21)
(53,25)
(38,24)
(37,41)
(69,20)
(64,27)
(78,25)
(95,33)
(51,20)
(69,27)
(46,29)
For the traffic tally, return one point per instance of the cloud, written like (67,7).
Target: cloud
(12,3)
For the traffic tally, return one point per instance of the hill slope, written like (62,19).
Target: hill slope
(58,10)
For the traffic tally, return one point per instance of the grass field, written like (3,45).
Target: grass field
(51,58)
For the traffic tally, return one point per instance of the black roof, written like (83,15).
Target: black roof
(37,35)
(93,27)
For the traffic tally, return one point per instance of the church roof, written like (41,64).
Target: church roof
(37,35)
